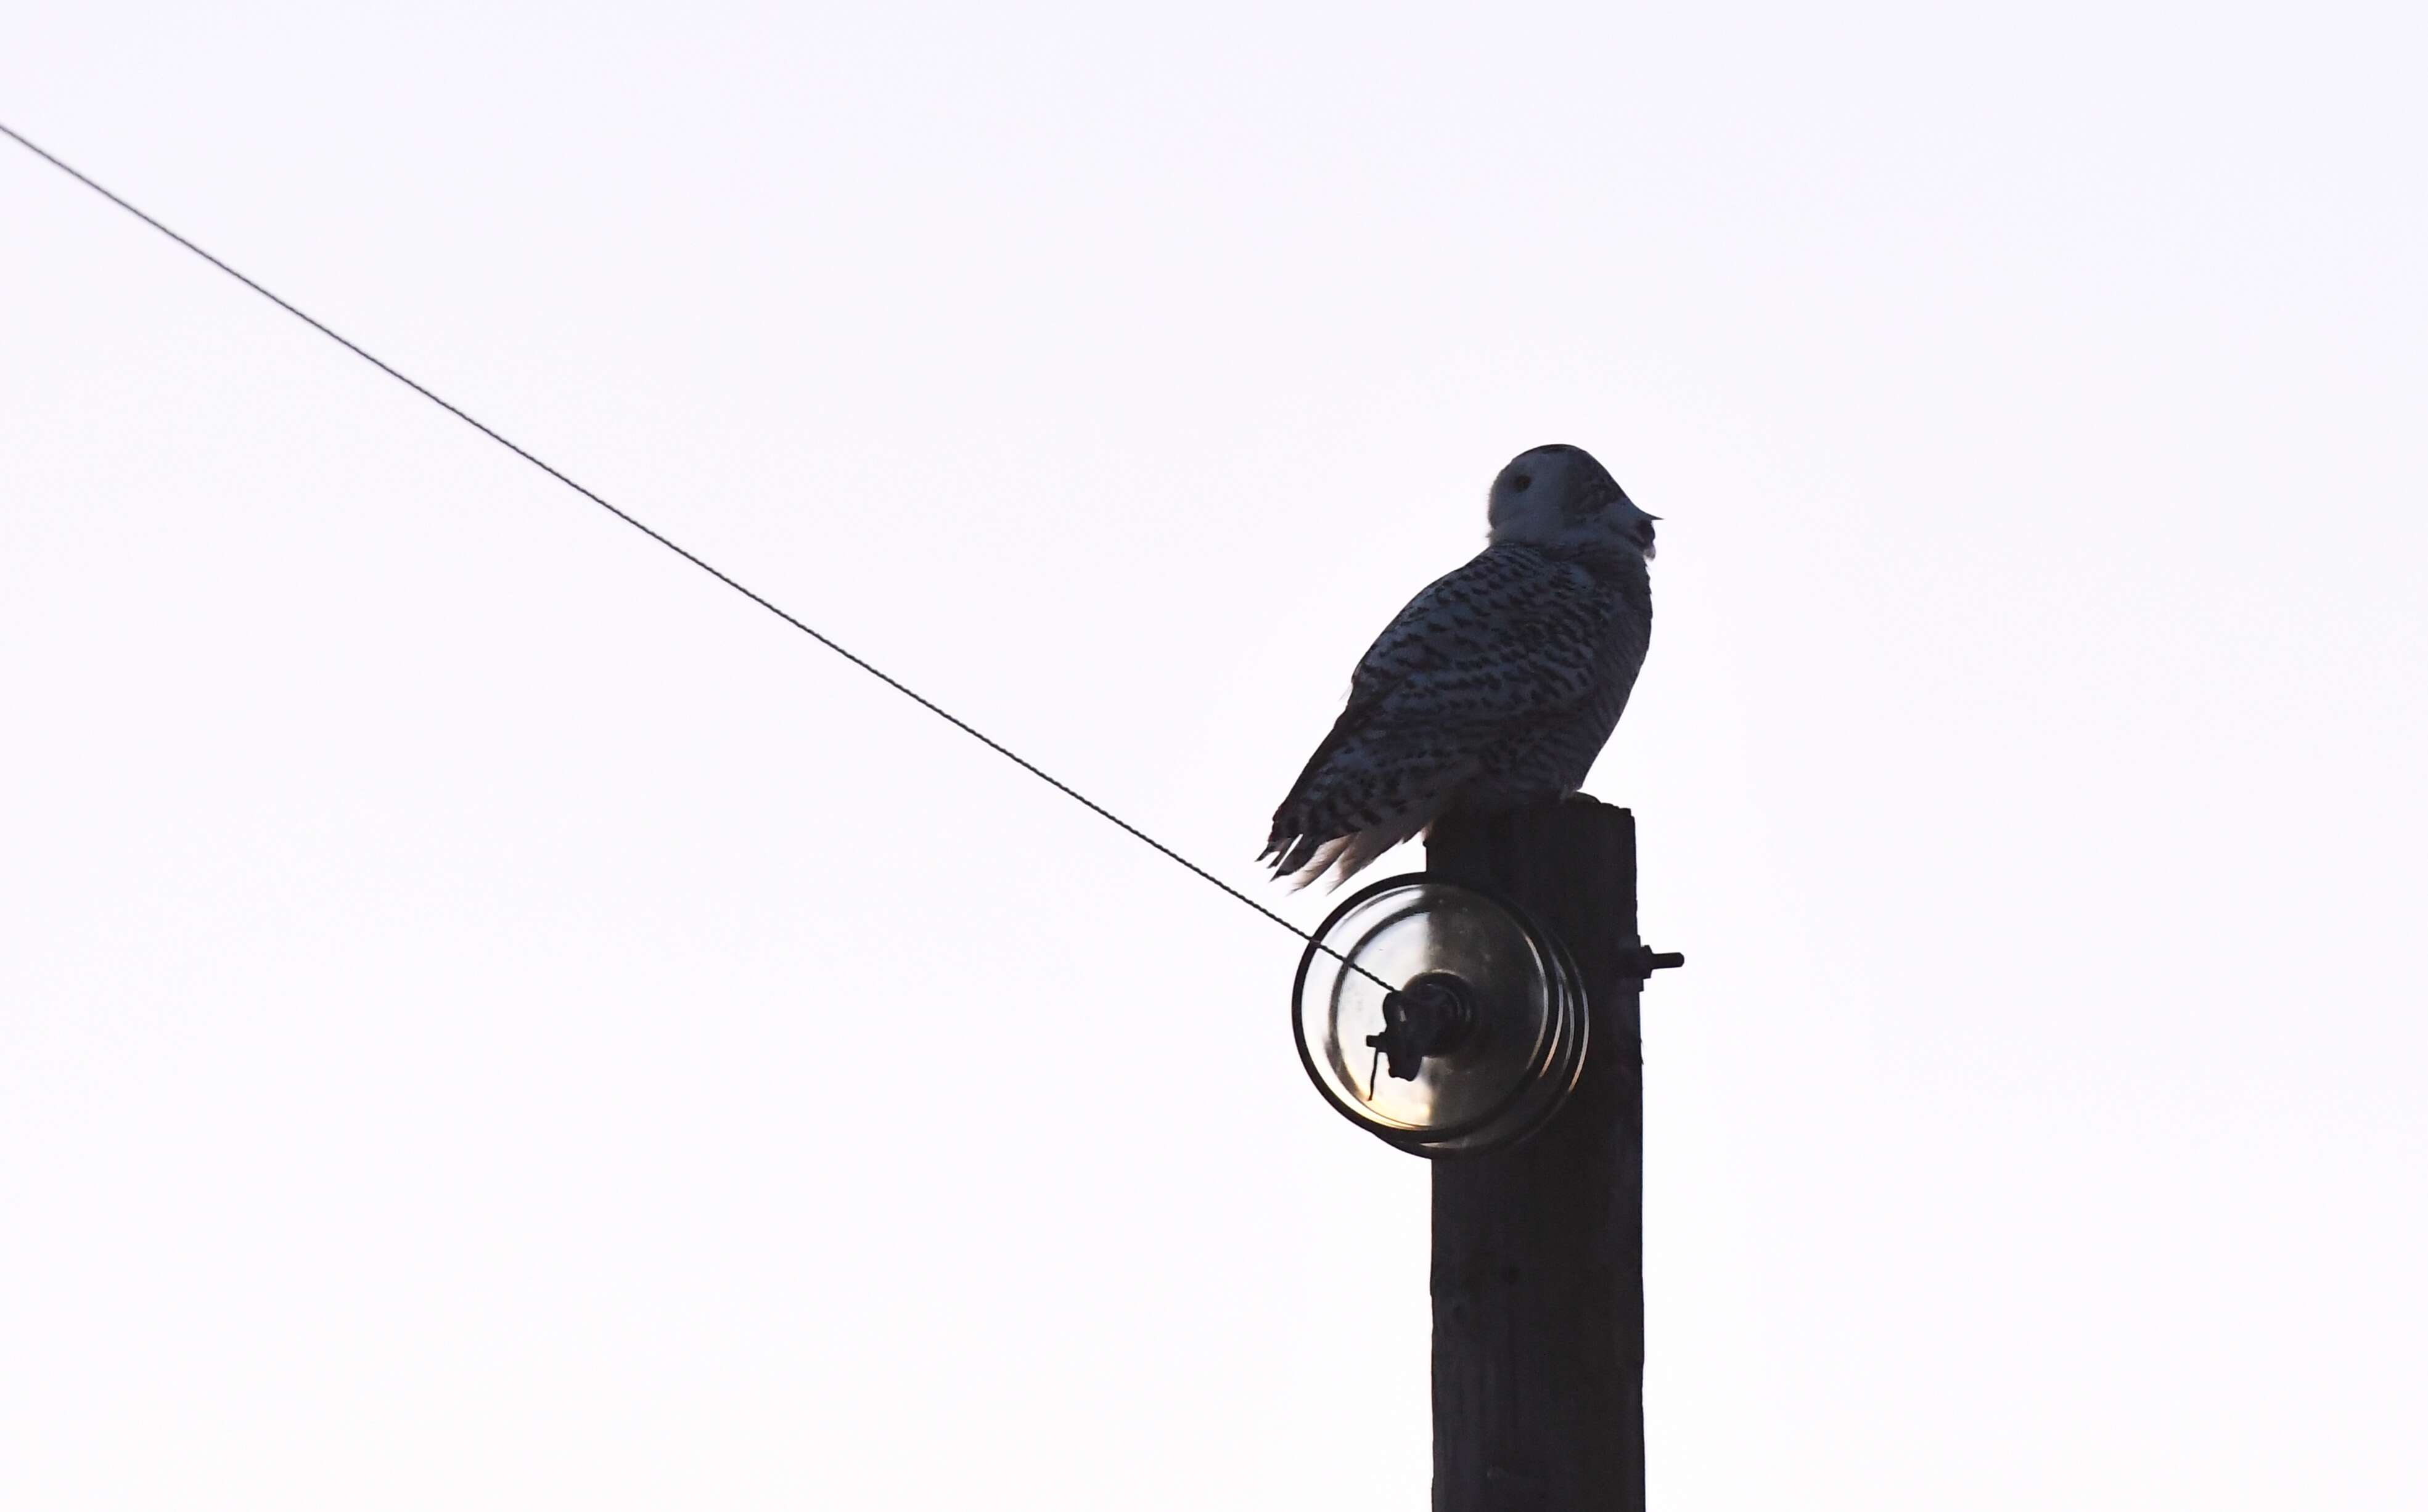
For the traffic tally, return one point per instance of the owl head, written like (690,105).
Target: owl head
(1558,496)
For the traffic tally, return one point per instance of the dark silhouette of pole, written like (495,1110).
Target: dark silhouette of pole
(1538,1251)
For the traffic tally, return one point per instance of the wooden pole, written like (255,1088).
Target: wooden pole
(1538,1251)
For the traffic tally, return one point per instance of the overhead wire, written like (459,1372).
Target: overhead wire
(677,548)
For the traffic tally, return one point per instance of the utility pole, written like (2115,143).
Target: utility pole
(1538,1251)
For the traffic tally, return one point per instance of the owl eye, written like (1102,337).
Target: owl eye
(1521,483)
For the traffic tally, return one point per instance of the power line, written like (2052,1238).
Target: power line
(680,550)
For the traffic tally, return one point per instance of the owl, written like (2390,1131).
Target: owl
(1496,685)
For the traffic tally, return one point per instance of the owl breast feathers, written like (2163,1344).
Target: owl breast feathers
(1496,685)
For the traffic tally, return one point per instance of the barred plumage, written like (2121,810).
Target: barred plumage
(1496,685)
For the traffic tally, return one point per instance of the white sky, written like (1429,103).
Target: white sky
(489,1018)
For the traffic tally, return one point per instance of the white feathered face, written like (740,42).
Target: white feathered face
(1559,497)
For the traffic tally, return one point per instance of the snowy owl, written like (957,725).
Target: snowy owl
(1496,686)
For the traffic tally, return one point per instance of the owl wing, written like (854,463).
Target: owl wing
(1473,665)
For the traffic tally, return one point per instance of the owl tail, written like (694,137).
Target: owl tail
(1346,855)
